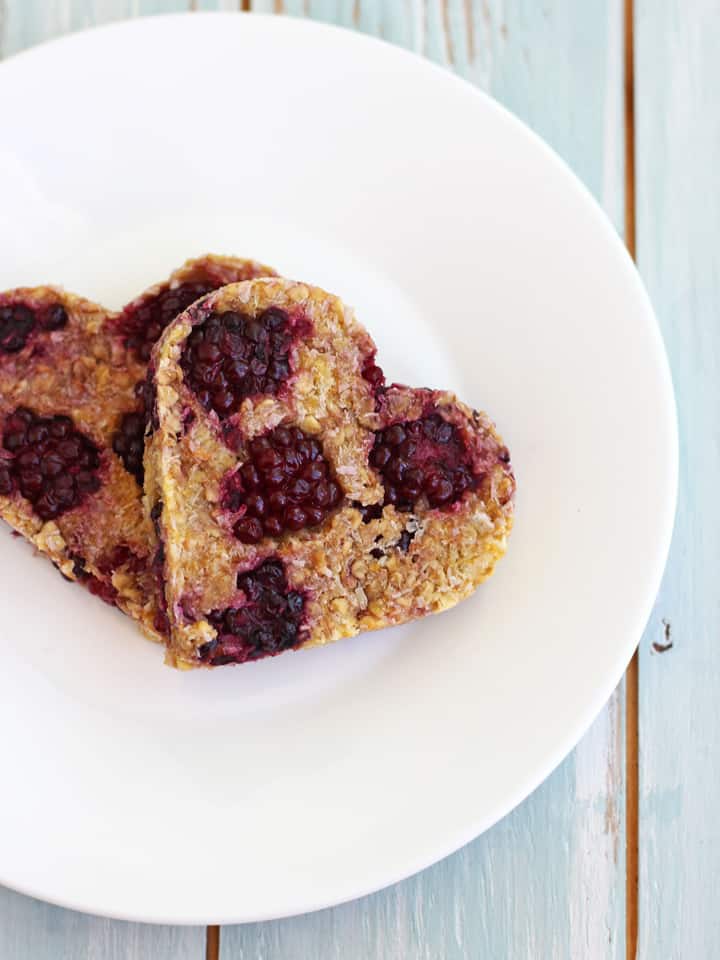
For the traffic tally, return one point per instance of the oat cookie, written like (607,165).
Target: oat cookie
(72,428)
(296,498)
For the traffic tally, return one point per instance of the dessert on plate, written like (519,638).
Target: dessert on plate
(72,426)
(296,498)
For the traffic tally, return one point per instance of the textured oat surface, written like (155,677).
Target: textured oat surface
(81,372)
(353,573)
(85,371)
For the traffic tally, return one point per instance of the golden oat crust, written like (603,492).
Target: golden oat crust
(85,371)
(352,572)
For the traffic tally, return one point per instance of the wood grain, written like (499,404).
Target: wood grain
(632,677)
(227,5)
(549,880)
(31,930)
(26,22)
(678,247)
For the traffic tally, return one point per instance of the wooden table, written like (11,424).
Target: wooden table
(617,854)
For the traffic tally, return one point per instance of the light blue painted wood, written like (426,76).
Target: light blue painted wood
(398,22)
(678,158)
(30,930)
(295,8)
(549,881)
(267,6)
(227,5)
(437,42)
(344,13)
(27,22)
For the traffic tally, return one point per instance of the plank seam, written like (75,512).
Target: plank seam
(212,943)
(632,723)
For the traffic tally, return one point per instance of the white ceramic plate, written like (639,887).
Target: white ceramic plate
(479,263)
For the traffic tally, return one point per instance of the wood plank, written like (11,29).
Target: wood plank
(227,5)
(396,22)
(29,928)
(678,222)
(27,22)
(549,880)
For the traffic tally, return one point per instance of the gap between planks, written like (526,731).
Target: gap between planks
(212,943)
(632,679)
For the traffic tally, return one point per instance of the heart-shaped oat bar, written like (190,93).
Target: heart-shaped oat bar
(297,499)
(72,426)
